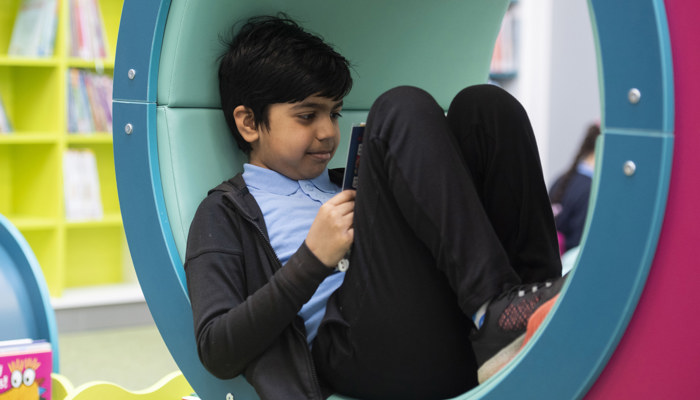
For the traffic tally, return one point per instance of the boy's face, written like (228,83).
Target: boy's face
(301,139)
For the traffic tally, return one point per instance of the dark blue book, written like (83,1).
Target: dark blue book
(352,165)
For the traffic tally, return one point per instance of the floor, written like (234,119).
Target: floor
(132,357)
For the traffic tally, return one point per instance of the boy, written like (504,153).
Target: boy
(450,217)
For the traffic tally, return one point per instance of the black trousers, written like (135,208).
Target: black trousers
(450,211)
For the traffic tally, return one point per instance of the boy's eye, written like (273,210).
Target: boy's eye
(336,115)
(307,117)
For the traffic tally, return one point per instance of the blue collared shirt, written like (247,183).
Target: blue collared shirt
(289,207)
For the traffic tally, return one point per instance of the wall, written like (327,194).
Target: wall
(558,79)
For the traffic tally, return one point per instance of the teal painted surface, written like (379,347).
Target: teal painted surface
(186,134)
(441,45)
(634,51)
(138,48)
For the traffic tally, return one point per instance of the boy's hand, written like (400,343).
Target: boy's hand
(331,233)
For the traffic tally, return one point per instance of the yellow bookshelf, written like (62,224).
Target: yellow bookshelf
(34,90)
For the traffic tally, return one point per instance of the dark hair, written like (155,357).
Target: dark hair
(587,148)
(272,59)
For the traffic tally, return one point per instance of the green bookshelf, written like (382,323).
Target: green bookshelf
(72,254)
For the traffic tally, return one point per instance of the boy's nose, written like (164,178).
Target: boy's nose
(327,129)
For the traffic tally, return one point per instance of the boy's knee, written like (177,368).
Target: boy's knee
(405,100)
(485,95)
(403,93)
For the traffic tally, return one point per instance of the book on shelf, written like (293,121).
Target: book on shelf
(89,102)
(5,125)
(25,369)
(34,30)
(81,185)
(88,38)
(504,59)
(352,164)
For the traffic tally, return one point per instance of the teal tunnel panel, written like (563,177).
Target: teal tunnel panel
(634,55)
(138,50)
(389,43)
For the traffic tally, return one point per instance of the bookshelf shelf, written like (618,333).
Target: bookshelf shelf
(15,61)
(33,223)
(108,221)
(19,138)
(101,63)
(34,92)
(89,138)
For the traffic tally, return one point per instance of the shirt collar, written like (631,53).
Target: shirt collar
(274,182)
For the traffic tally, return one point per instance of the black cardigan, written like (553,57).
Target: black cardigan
(244,303)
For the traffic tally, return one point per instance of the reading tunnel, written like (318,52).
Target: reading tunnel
(620,328)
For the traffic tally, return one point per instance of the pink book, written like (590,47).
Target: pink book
(25,369)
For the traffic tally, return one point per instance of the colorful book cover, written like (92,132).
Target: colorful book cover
(34,29)
(89,102)
(79,113)
(352,165)
(81,186)
(49,24)
(25,370)
(88,38)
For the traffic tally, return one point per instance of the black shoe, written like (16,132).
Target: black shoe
(500,338)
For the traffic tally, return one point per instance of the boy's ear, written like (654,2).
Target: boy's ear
(245,122)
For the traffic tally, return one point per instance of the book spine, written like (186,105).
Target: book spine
(98,30)
(352,165)
(89,102)
(88,37)
(5,125)
(47,28)
(75,38)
